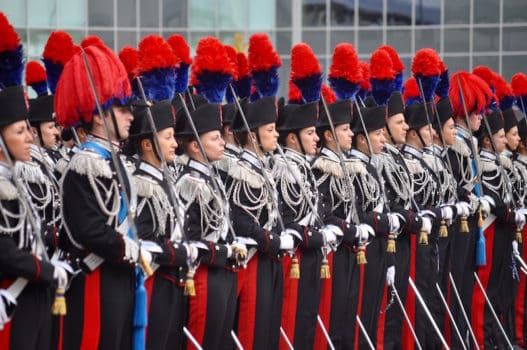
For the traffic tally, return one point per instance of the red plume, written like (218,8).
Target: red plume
(411,90)
(262,55)
(9,39)
(304,63)
(155,53)
(519,84)
(328,94)
(364,68)
(243,65)
(426,62)
(294,94)
(485,73)
(502,87)
(91,40)
(381,66)
(35,73)
(180,48)
(476,93)
(233,60)
(345,63)
(59,48)
(211,56)
(483,93)
(129,57)
(398,65)
(442,66)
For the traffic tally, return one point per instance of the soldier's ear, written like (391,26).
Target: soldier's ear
(146,145)
(328,136)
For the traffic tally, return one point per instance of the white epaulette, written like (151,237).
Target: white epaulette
(190,188)
(146,187)
(281,171)
(328,166)
(432,162)
(487,165)
(461,147)
(61,165)
(226,162)
(414,166)
(356,166)
(506,162)
(87,162)
(243,172)
(30,172)
(8,190)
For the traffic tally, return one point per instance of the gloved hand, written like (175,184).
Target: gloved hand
(146,255)
(6,300)
(447,213)
(238,250)
(61,276)
(427,224)
(363,232)
(395,220)
(515,250)
(463,208)
(519,218)
(390,276)
(330,233)
(485,203)
(192,252)
(287,242)
(131,250)
(427,213)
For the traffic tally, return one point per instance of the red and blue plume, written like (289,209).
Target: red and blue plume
(475,93)
(264,62)
(328,94)
(181,49)
(58,51)
(233,63)
(398,66)
(36,78)
(213,69)
(382,76)
(504,93)
(519,88)
(92,40)
(485,97)
(444,81)
(365,85)
(411,92)
(155,65)
(243,84)
(294,95)
(306,72)
(487,75)
(129,57)
(11,54)
(344,73)
(426,69)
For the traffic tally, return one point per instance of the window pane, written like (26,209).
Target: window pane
(340,36)
(15,12)
(399,12)
(490,61)
(407,61)
(126,15)
(283,42)
(100,13)
(342,12)
(283,73)
(261,15)
(149,14)
(369,40)
(227,37)
(314,13)
(174,13)
(370,12)
(283,13)
(125,38)
(232,14)
(427,38)
(42,13)
(37,41)
(105,35)
(513,64)
(456,63)
(457,11)
(400,40)
(514,11)
(487,11)
(486,39)
(514,39)
(202,14)
(457,40)
(194,38)
(427,12)
(72,13)
(316,39)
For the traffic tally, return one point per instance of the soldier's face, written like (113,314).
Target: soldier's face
(513,139)
(50,134)
(377,140)
(500,140)
(309,139)
(18,139)
(168,144)
(124,119)
(344,136)
(475,121)
(426,134)
(268,137)
(398,128)
(214,145)
(449,132)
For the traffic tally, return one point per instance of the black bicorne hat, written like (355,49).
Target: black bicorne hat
(229,112)
(41,109)
(495,121)
(296,117)
(444,112)
(395,104)
(257,113)
(522,125)
(13,105)
(374,119)
(162,113)
(341,113)
(207,117)
(415,115)
(510,118)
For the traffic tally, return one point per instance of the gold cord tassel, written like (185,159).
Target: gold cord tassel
(59,304)
(423,238)
(443,230)
(463,225)
(390,248)
(190,288)
(361,256)
(294,272)
(480,220)
(519,238)
(324,268)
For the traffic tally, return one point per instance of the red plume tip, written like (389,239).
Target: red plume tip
(243,65)
(9,39)
(442,66)
(211,56)
(398,65)
(426,62)
(345,63)
(304,63)
(411,90)
(59,47)
(129,56)
(35,73)
(180,48)
(519,84)
(381,66)
(328,94)
(484,73)
(92,40)
(364,68)
(502,87)
(294,93)
(155,53)
(233,60)
(262,55)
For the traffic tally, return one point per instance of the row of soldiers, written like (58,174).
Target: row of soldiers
(355,216)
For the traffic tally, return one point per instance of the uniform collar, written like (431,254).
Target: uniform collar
(251,158)
(360,155)
(233,149)
(486,154)
(414,152)
(462,131)
(295,156)
(391,148)
(199,167)
(5,170)
(150,170)
(436,150)
(329,153)
(507,153)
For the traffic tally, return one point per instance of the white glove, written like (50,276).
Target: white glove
(427,213)
(287,242)
(485,203)
(427,224)
(61,276)
(131,249)
(390,275)
(515,250)
(146,255)
(395,222)
(519,217)
(447,213)
(192,252)
(290,231)
(363,232)
(522,211)
(237,248)
(6,298)
(463,208)
(329,233)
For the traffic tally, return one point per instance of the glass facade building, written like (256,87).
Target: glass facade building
(466,33)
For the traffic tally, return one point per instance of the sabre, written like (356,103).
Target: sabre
(427,312)
(445,304)
(192,339)
(289,345)
(465,316)
(325,332)
(236,340)
(407,319)
(491,308)
(521,261)
(364,333)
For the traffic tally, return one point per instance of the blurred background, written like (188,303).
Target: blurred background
(466,33)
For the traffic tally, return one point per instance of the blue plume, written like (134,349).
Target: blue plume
(381,89)
(344,89)
(444,85)
(53,71)
(363,94)
(159,84)
(212,85)
(255,96)
(522,103)
(40,88)
(310,87)
(267,81)
(506,102)
(243,87)
(429,84)
(182,78)
(398,83)
(11,67)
